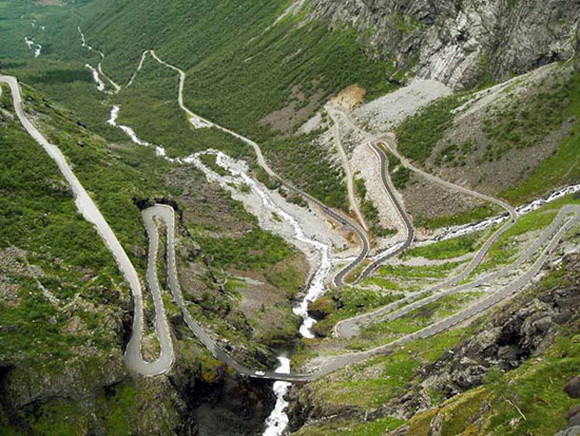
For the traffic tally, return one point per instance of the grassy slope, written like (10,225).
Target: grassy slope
(365,387)
(543,404)
(518,126)
(118,175)
(115,177)
(505,249)
(238,71)
(563,166)
(150,107)
(40,217)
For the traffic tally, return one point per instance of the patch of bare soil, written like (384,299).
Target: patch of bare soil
(13,261)
(300,108)
(349,97)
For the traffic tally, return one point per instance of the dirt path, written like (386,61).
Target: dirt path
(352,199)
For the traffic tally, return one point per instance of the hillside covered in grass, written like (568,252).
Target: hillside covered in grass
(249,66)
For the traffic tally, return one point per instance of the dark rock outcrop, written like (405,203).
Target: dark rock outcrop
(572,388)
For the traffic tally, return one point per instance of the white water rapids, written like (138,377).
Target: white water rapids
(454,232)
(96,78)
(131,133)
(32,45)
(277,422)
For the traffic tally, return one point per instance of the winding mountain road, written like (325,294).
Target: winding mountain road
(349,327)
(201,122)
(552,235)
(347,170)
(133,355)
(92,214)
(409,229)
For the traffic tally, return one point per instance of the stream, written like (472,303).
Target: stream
(31,44)
(454,232)
(278,420)
(276,424)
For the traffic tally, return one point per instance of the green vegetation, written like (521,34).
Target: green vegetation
(45,243)
(416,272)
(535,389)
(222,49)
(300,160)
(472,215)
(419,318)
(380,426)
(371,383)
(210,41)
(115,409)
(150,107)
(418,135)
(524,125)
(454,154)
(400,174)
(115,179)
(289,279)
(257,250)
(39,216)
(506,247)
(345,303)
(209,160)
(123,413)
(544,405)
(447,249)
(563,166)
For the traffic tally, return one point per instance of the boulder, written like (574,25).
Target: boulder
(572,388)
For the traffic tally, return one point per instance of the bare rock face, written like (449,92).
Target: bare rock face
(458,43)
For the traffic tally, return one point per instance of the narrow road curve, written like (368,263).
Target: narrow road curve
(166,213)
(388,140)
(92,214)
(393,149)
(199,121)
(469,313)
(90,211)
(409,229)
(347,170)
(349,329)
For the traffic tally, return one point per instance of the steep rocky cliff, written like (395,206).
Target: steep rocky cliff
(460,42)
